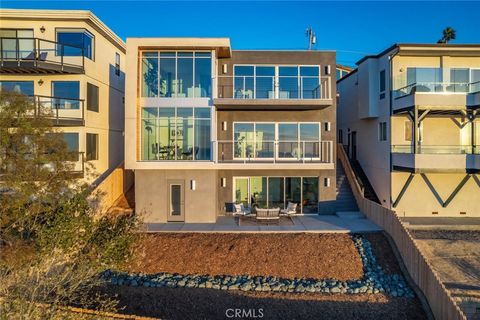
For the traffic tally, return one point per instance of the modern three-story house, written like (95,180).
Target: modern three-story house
(409,117)
(208,127)
(72,67)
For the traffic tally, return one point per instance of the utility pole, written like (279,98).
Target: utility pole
(312,38)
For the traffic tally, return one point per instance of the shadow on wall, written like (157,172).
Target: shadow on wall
(116,118)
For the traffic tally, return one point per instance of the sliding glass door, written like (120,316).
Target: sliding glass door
(277,192)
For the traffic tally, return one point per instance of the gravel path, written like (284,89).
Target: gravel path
(182,303)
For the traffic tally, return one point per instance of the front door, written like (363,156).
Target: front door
(176,211)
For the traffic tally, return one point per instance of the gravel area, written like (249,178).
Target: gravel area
(318,256)
(446,234)
(183,303)
(383,252)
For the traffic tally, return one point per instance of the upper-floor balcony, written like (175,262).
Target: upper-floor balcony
(39,56)
(436,158)
(61,111)
(274,86)
(435,88)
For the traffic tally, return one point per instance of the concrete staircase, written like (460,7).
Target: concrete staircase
(345,199)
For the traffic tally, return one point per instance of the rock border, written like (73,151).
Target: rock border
(374,280)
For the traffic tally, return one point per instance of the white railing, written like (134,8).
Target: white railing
(273,151)
(274,87)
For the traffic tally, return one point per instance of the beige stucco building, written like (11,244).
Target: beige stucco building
(208,127)
(73,66)
(409,117)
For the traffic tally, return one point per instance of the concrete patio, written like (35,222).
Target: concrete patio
(306,223)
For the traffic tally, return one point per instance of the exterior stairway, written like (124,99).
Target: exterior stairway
(368,190)
(345,199)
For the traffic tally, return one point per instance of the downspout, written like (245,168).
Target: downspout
(390,58)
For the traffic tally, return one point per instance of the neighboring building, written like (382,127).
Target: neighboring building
(207,126)
(341,71)
(409,115)
(73,67)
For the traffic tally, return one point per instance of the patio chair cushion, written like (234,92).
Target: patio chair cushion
(238,208)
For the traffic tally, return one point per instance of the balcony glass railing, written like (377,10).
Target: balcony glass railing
(437,149)
(436,80)
(39,51)
(274,87)
(59,108)
(274,151)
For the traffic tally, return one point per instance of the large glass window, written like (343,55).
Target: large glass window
(66,94)
(475,80)
(176,74)
(459,79)
(244,82)
(265,82)
(76,40)
(23,87)
(277,192)
(176,133)
(11,49)
(271,140)
(425,79)
(310,82)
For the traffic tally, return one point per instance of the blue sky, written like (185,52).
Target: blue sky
(352,28)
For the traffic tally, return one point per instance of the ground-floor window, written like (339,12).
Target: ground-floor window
(277,192)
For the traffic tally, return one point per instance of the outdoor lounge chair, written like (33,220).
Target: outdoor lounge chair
(241,210)
(291,209)
(268,214)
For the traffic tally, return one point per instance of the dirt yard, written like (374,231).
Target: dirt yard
(184,304)
(319,256)
(455,255)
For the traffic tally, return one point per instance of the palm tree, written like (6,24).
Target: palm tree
(448,34)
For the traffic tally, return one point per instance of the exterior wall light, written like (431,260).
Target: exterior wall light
(42,29)
(328,126)
(193,185)
(328,69)
(224,125)
(40,82)
(223,182)
(225,68)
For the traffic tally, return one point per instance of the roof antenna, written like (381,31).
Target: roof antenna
(312,38)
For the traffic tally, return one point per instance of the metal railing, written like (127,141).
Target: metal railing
(437,149)
(59,109)
(38,51)
(272,87)
(74,163)
(273,151)
(437,87)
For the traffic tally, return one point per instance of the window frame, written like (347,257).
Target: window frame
(72,30)
(117,64)
(97,107)
(92,156)
(382,131)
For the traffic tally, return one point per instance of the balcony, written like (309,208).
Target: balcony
(39,56)
(286,154)
(63,112)
(435,88)
(436,158)
(75,165)
(284,92)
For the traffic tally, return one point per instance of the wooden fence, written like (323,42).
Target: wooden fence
(441,302)
(112,187)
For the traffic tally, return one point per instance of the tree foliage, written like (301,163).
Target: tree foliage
(448,34)
(53,245)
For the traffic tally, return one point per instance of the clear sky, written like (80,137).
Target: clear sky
(352,28)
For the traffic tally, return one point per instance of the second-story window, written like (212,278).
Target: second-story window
(11,49)
(76,41)
(66,94)
(92,97)
(382,84)
(382,131)
(23,87)
(171,74)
